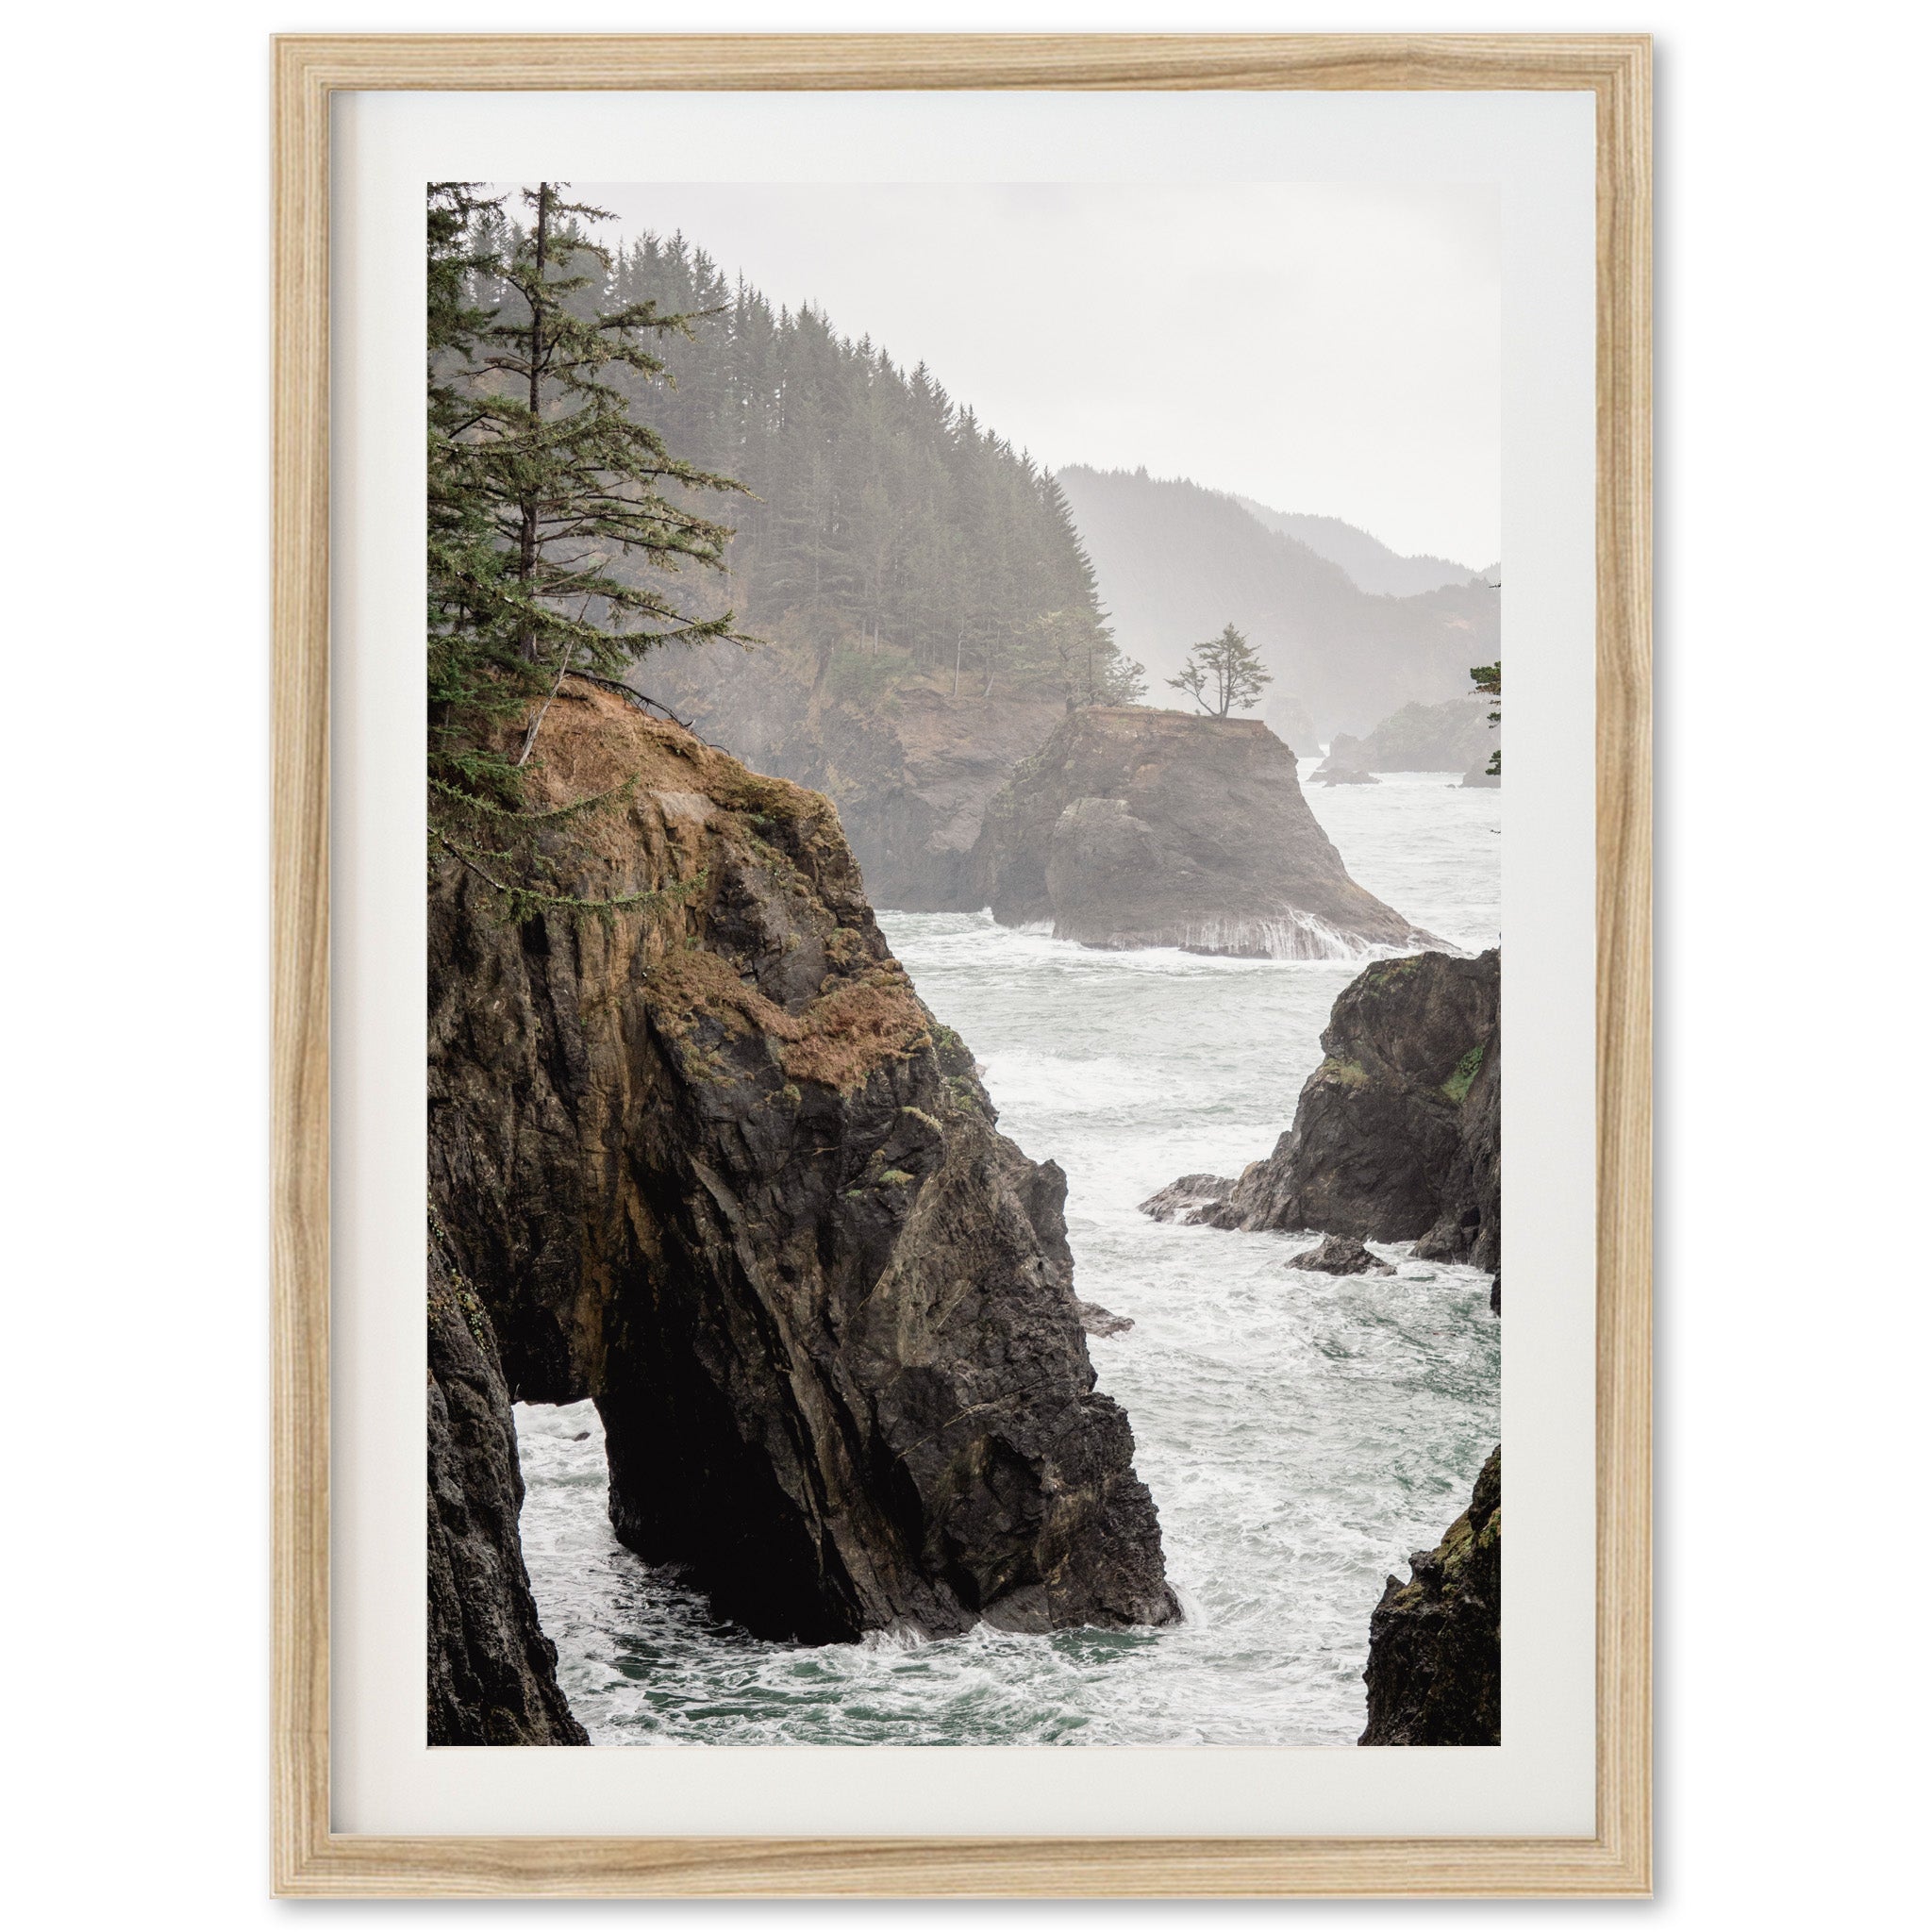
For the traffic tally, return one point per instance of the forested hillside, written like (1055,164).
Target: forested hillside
(884,525)
(921,611)
(1370,564)
(1176,562)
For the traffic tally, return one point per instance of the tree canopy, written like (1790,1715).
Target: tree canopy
(557,508)
(881,516)
(1224,674)
(1488,680)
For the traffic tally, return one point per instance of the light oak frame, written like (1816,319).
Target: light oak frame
(309,1859)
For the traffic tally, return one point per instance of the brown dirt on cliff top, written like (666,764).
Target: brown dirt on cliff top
(593,741)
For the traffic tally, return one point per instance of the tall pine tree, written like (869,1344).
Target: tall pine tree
(555,508)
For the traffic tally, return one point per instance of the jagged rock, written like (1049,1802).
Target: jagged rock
(1435,1671)
(911,768)
(1182,1199)
(1479,775)
(708,1159)
(1099,1321)
(492,1673)
(1346,774)
(1340,1254)
(1134,827)
(1385,1147)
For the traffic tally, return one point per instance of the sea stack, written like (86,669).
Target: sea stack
(703,1156)
(1397,1135)
(1134,827)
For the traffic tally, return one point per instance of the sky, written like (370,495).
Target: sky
(1325,349)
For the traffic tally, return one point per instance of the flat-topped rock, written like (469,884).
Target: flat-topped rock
(1134,827)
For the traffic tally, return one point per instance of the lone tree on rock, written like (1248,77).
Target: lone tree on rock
(1224,674)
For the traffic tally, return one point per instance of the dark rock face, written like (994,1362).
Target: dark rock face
(1435,1671)
(492,1673)
(1183,1199)
(1340,1254)
(1134,827)
(1469,1226)
(911,769)
(1384,1146)
(711,1161)
(1098,1320)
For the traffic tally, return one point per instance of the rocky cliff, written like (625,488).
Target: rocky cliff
(1136,827)
(909,765)
(706,1156)
(1397,1133)
(492,1673)
(1435,1671)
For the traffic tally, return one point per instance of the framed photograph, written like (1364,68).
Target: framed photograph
(892,849)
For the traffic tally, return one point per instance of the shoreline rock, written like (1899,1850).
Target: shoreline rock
(1435,1671)
(708,1159)
(1385,1145)
(1445,736)
(492,1673)
(1134,828)
(1180,1200)
(1339,1254)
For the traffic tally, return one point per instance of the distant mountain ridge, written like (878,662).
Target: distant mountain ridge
(1370,564)
(1176,562)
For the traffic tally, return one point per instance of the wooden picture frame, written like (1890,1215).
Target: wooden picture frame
(311,1860)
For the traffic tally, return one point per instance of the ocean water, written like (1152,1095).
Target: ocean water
(1301,1433)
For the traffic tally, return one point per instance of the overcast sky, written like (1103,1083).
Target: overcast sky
(1322,348)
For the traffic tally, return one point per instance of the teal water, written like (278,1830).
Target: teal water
(1301,1433)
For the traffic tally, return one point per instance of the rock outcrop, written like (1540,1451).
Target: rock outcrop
(1469,1222)
(1386,1144)
(909,765)
(1435,1671)
(1343,764)
(1183,1199)
(1340,1254)
(1429,737)
(492,1673)
(707,1158)
(1134,827)
(1479,776)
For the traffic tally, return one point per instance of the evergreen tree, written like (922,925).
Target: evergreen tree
(476,678)
(573,474)
(886,523)
(1223,673)
(546,476)
(1488,680)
